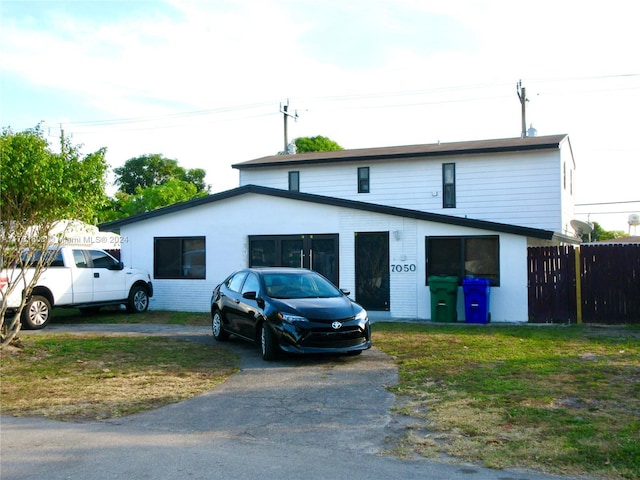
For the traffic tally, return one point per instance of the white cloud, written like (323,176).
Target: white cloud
(207,77)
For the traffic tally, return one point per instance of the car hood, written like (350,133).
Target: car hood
(334,308)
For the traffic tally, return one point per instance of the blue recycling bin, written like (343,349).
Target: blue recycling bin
(476,300)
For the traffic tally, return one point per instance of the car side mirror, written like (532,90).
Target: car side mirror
(254,296)
(117,266)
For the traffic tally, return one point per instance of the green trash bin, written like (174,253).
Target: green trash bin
(444,298)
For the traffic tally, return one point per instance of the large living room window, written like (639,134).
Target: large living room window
(472,256)
(179,257)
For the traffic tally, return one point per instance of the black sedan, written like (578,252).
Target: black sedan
(288,309)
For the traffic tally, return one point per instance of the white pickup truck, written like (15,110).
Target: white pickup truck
(82,278)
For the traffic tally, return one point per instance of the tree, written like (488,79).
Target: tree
(147,199)
(153,170)
(315,144)
(38,189)
(600,234)
(152,181)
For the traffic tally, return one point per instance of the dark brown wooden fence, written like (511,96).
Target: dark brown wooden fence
(610,283)
(552,284)
(609,278)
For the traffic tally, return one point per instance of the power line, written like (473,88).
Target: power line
(604,213)
(338,98)
(606,203)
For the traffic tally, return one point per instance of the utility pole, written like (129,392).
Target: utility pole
(284,109)
(61,140)
(522,95)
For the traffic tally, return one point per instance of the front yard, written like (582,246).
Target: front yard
(560,399)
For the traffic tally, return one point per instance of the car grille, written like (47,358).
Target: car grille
(329,338)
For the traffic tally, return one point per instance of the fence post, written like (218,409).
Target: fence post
(576,250)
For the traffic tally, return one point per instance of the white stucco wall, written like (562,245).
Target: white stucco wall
(227,224)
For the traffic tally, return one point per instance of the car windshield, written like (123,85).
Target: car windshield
(298,285)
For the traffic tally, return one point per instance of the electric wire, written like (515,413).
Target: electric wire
(340,99)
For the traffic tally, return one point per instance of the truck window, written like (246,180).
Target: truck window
(79,258)
(101,259)
(53,258)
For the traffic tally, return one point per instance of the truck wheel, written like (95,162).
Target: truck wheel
(36,313)
(138,299)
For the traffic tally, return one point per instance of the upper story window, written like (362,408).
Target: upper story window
(294,181)
(571,181)
(448,185)
(363,180)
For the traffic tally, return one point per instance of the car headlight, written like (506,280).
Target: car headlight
(362,315)
(288,317)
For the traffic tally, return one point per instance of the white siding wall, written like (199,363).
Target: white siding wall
(568,188)
(227,225)
(513,188)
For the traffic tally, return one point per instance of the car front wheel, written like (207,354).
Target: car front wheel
(268,343)
(36,313)
(138,299)
(216,326)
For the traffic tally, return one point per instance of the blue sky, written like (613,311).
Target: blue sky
(202,81)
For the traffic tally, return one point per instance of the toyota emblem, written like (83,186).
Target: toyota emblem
(336,325)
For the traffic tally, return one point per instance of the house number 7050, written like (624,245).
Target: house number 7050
(403,268)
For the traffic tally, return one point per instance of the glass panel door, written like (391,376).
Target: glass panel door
(317,252)
(263,252)
(292,254)
(323,257)
(372,270)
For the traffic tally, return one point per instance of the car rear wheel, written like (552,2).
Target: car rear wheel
(268,343)
(36,313)
(216,326)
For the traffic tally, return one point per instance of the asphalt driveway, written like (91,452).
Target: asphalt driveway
(313,417)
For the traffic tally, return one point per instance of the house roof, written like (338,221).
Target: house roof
(338,202)
(411,151)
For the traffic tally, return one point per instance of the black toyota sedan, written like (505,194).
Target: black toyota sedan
(288,309)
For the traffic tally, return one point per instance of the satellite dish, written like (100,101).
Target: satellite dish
(581,228)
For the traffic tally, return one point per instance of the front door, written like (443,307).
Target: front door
(372,270)
(318,252)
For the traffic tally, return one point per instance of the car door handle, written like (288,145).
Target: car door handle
(96,275)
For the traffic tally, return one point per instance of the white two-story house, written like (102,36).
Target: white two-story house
(378,222)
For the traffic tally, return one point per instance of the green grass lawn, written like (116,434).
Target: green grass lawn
(564,399)
(65,316)
(560,399)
